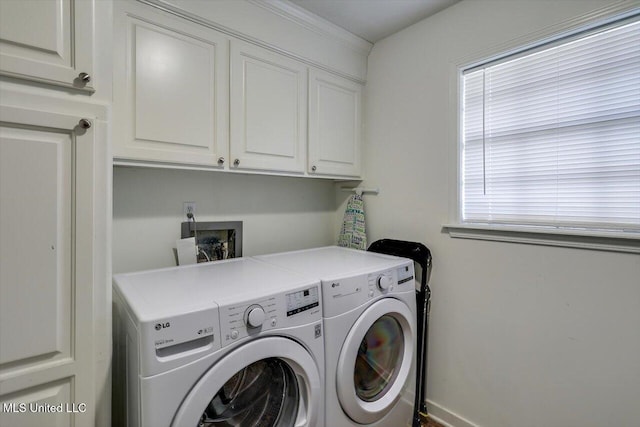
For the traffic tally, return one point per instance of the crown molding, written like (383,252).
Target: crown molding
(315,23)
(168,7)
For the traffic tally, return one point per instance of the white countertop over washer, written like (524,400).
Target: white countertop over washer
(164,292)
(333,262)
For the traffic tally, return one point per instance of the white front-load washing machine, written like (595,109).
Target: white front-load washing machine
(369,311)
(230,343)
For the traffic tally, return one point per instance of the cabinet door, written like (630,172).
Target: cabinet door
(48,41)
(46,270)
(334,125)
(268,110)
(170,88)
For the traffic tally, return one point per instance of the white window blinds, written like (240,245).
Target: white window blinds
(552,137)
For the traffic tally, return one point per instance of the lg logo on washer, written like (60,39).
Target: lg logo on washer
(164,325)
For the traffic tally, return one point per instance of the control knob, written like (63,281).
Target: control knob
(254,316)
(384,282)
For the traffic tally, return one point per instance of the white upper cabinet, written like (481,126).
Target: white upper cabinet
(268,108)
(48,41)
(188,93)
(170,89)
(335,108)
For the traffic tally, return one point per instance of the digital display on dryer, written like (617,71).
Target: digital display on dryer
(303,300)
(405,274)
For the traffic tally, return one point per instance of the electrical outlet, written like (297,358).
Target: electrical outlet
(189,208)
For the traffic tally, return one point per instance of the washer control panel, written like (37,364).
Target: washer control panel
(302,300)
(282,310)
(254,316)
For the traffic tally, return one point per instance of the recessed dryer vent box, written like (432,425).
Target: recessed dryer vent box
(215,240)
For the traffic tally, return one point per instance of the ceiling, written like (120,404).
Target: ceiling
(373,20)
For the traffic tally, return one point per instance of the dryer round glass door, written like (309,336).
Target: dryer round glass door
(376,360)
(379,358)
(269,382)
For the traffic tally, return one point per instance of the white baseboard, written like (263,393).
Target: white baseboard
(446,417)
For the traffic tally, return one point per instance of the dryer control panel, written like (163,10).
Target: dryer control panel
(347,293)
(283,310)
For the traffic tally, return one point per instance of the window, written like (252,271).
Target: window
(551,136)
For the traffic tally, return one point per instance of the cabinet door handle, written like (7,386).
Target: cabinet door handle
(236,162)
(313,168)
(84,124)
(84,77)
(221,160)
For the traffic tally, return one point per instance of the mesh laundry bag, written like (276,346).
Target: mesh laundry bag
(353,234)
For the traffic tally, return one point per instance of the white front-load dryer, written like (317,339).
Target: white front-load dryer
(369,312)
(230,343)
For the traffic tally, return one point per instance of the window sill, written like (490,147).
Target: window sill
(547,236)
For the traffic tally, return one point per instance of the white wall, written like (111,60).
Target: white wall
(278,213)
(521,335)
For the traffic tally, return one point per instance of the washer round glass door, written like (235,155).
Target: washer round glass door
(263,394)
(375,361)
(273,383)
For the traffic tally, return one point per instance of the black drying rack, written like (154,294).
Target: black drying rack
(420,254)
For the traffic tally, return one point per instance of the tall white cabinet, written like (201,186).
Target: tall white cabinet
(54,242)
(46,268)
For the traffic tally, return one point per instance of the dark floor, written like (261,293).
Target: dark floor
(431,423)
